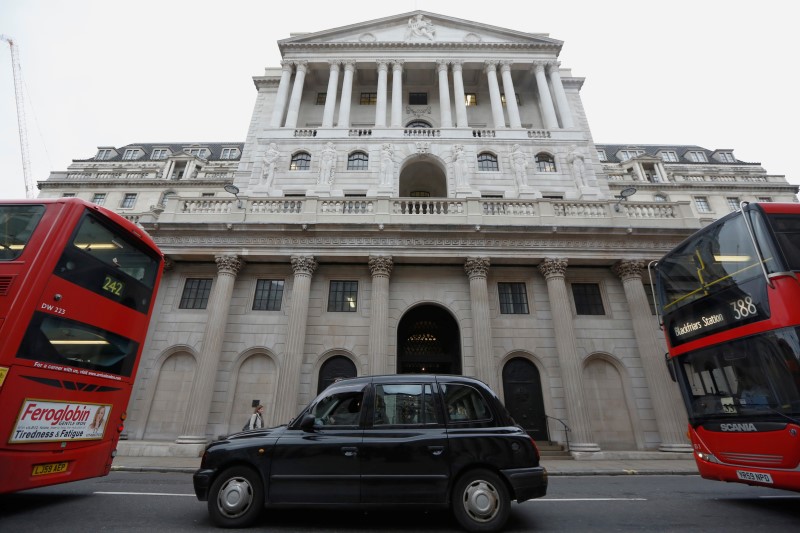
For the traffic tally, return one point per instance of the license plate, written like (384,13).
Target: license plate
(50,468)
(754,476)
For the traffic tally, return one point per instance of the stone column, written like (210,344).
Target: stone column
(381,268)
(297,93)
(397,94)
(283,93)
(477,269)
(554,271)
(380,105)
(667,403)
(494,95)
(550,120)
(561,96)
(444,95)
(286,399)
(511,95)
(347,94)
(196,419)
(330,96)
(460,96)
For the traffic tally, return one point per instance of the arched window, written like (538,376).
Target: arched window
(357,161)
(418,124)
(545,163)
(487,161)
(300,161)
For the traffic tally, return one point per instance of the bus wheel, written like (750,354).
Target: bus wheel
(236,497)
(481,502)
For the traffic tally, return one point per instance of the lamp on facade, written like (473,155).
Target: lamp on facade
(234,190)
(623,195)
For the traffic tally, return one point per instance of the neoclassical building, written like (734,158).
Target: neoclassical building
(418,193)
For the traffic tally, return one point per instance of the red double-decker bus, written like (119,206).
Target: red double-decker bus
(729,301)
(77,287)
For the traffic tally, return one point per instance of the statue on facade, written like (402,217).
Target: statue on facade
(460,165)
(387,165)
(268,165)
(577,166)
(327,165)
(519,163)
(419,26)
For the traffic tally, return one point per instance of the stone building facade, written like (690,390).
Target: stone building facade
(418,193)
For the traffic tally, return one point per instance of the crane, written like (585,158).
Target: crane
(30,188)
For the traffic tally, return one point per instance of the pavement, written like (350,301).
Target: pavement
(602,464)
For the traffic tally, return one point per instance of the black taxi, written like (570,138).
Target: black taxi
(410,439)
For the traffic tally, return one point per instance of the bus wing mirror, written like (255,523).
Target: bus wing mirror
(670,367)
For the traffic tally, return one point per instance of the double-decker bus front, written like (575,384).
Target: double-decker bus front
(729,299)
(77,284)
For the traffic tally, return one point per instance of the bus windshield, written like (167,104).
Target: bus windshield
(756,376)
(17,223)
(714,260)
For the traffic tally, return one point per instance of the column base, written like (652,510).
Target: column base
(680,448)
(583,447)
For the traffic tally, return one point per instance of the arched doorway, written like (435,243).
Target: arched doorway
(423,177)
(428,341)
(336,368)
(522,386)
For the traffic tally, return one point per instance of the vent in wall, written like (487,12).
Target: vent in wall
(5,284)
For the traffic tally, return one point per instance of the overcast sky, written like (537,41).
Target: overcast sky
(715,73)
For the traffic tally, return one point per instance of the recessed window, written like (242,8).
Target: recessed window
(503,98)
(487,162)
(630,154)
(513,298)
(545,163)
(99,198)
(701,202)
(733,203)
(343,296)
(207,194)
(131,154)
(763,199)
(601,155)
(697,157)
(195,293)
(726,157)
(300,161)
(418,98)
(659,198)
(198,152)
(321,98)
(588,300)
(129,200)
(229,153)
(471,99)
(420,194)
(648,290)
(357,161)
(269,294)
(368,99)
(104,154)
(159,153)
(68,195)
(669,156)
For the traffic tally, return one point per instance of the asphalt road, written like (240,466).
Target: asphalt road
(160,502)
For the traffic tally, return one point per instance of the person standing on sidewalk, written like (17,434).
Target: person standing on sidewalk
(257,418)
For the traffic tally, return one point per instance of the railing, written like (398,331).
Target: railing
(360,133)
(426,207)
(483,133)
(508,208)
(566,428)
(539,134)
(422,132)
(305,132)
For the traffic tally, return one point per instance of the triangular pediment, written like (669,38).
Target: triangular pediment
(419,28)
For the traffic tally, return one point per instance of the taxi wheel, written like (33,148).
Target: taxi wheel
(481,502)
(236,497)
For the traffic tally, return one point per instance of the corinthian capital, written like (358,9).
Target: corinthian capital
(380,265)
(228,264)
(476,267)
(553,267)
(628,269)
(303,265)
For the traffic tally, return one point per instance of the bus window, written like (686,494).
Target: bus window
(787,233)
(17,223)
(101,260)
(58,340)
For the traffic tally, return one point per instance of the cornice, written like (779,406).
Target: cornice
(420,44)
